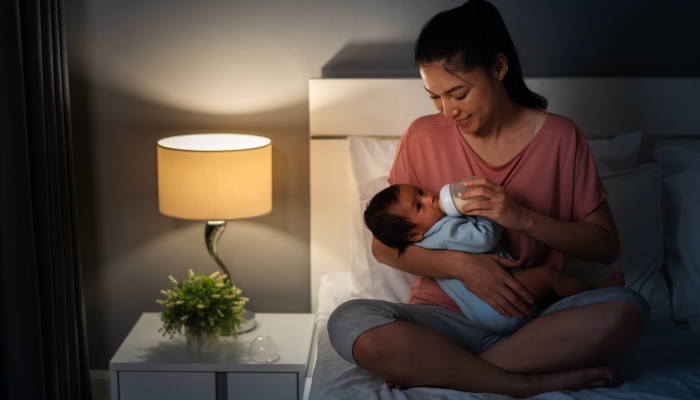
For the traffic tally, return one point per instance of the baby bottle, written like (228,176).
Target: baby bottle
(450,200)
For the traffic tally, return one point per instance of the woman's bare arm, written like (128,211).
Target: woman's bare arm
(482,274)
(593,239)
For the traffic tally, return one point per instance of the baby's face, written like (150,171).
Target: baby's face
(421,208)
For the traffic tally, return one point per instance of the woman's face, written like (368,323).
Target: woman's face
(468,98)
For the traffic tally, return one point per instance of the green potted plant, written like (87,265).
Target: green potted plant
(206,306)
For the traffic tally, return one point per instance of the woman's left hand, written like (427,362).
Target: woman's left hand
(496,204)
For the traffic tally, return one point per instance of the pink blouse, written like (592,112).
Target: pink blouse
(554,174)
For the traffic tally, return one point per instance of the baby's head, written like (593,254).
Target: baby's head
(402,214)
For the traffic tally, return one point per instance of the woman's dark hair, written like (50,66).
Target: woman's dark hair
(387,227)
(471,36)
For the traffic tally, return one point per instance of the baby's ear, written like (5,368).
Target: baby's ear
(414,236)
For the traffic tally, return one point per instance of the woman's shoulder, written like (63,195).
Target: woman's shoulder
(561,128)
(560,123)
(428,124)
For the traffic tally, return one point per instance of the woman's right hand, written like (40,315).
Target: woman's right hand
(482,274)
(485,276)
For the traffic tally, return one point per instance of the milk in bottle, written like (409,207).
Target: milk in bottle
(450,200)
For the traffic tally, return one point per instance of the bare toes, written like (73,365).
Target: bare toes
(600,377)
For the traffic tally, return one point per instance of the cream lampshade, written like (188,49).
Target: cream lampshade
(211,177)
(215,177)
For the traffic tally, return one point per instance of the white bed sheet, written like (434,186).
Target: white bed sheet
(663,366)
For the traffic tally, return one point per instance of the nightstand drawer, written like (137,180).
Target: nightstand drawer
(268,386)
(167,385)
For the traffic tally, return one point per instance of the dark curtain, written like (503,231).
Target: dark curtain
(43,342)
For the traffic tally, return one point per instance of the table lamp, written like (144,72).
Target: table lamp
(215,177)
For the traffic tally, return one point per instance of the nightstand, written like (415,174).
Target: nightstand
(151,366)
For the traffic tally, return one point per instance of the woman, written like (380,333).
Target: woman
(540,182)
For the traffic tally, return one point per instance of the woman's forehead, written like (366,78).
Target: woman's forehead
(438,80)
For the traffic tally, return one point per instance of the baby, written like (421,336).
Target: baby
(401,215)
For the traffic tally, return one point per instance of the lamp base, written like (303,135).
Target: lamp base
(212,232)
(250,325)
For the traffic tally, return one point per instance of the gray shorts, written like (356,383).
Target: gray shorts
(354,317)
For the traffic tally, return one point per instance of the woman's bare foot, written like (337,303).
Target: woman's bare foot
(395,386)
(597,377)
(583,378)
(616,279)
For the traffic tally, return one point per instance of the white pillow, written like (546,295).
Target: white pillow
(369,278)
(618,154)
(360,281)
(370,159)
(635,202)
(680,199)
(676,159)
(387,283)
(370,163)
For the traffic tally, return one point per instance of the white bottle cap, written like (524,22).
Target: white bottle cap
(448,205)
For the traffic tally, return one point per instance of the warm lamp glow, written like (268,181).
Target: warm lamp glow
(214,176)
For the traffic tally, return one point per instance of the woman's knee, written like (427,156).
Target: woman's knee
(622,311)
(344,317)
(345,311)
(353,312)
(622,322)
(631,309)
(348,323)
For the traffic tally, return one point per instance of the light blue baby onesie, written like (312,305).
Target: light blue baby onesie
(473,235)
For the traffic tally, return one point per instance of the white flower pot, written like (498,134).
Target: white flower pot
(201,344)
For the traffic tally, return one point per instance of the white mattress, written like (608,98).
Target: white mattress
(663,366)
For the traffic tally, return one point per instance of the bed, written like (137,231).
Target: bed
(646,142)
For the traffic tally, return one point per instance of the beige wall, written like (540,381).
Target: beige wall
(142,70)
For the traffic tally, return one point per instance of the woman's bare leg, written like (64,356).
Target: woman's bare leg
(409,355)
(569,339)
